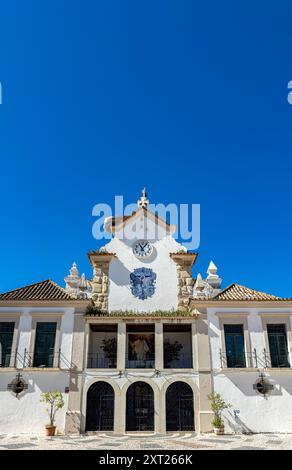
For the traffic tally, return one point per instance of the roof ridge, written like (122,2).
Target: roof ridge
(237,290)
(27,285)
(225,289)
(256,290)
(56,284)
(46,289)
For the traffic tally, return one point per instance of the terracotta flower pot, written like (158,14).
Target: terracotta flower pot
(219,431)
(50,430)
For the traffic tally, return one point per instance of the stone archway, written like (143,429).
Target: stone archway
(100,407)
(140,407)
(179,407)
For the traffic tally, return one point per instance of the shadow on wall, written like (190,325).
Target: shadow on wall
(39,380)
(213,331)
(245,381)
(236,424)
(119,274)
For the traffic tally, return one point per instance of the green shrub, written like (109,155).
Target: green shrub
(217,406)
(55,401)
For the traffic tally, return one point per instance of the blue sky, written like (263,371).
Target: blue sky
(188,98)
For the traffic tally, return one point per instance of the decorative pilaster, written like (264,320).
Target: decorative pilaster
(185,282)
(73,420)
(204,373)
(100,262)
(121,346)
(159,345)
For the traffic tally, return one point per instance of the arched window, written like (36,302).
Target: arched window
(179,407)
(100,407)
(140,407)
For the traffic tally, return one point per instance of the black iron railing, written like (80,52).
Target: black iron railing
(239,360)
(44,360)
(101,361)
(28,359)
(252,359)
(183,361)
(140,361)
(9,360)
(275,360)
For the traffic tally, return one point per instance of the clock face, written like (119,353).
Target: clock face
(142,249)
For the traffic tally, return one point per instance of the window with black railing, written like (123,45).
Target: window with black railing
(279,355)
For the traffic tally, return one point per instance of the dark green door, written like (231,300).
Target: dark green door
(278,345)
(45,344)
(234,343)
(6,338)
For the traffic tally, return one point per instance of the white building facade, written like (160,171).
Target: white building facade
(141,345)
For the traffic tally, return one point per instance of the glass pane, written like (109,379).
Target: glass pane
(278,345)
(6,338)
(234,343)
(45,344)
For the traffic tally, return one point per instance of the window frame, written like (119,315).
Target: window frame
(277,319)
(236,318)
(8,317)
(46,318)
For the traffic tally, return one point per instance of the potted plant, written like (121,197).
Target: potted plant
(56,402)
(217,406)
(109,347)
(171,352)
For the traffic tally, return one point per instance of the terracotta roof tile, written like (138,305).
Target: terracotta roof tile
(44,290)
(238,292)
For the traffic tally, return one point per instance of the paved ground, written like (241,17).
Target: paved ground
(175,441)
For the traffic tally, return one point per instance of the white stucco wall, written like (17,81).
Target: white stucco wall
(256,413)
(165,296)
(25,413)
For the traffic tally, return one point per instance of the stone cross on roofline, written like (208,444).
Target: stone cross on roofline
(143,201)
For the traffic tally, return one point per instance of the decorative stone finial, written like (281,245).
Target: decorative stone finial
(77,286)
(82,283)
(209,287)
(143,201)
(199,284)
(213,279)
(74,270)
(212,269)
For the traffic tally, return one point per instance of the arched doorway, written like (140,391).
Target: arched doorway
(140,407)
(100,407)
(179,407)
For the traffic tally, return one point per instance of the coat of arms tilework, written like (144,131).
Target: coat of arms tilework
(142,282)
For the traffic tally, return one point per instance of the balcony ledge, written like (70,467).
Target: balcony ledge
(251,369)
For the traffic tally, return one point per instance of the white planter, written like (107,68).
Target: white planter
(219,431)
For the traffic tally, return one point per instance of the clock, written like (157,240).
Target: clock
(142,249)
